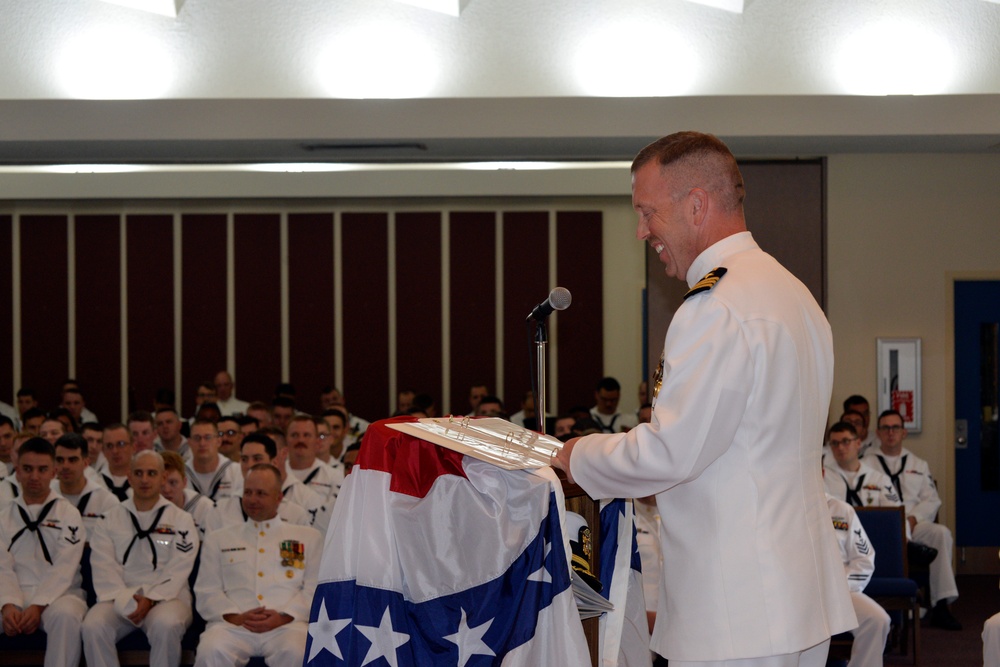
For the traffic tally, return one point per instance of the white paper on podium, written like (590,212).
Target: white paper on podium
(489,439)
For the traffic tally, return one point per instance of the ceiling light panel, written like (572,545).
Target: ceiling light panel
(449,7)
(165,7)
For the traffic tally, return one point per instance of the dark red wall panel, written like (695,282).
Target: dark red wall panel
(203,309)
(472,265)
(310,306)
(98,313)
(366,314)
(149,247)
(579,269)
(44,306)
(418,302)
(257,273)
(526,283)
(7,388)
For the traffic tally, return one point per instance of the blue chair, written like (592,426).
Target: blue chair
(890,584)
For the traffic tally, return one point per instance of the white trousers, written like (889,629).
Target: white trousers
(226,645)
(943,586)
(991,641)
(61,621)
(164,626)
(871,633)
(811,657)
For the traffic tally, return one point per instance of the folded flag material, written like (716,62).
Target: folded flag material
(624,629)
(433,558)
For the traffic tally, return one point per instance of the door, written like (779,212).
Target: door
(977,459)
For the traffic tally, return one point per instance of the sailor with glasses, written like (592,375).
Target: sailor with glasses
(912,478)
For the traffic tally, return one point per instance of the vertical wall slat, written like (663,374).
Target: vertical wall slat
(203,323)
(149,241)
(526,282)
(257,299)
(366,317)
(581,338)
(473,303)
(311,306)
(418,303)
(98,313)
(44,307)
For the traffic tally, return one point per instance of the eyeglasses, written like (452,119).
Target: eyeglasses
(230,432)
(322,436)
(202,438)
(841,443)
(891,429)
(121,444)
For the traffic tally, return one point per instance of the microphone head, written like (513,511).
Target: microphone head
(560,298)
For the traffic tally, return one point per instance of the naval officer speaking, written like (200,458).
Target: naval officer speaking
(752,574)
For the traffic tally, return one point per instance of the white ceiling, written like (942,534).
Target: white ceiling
(580,79)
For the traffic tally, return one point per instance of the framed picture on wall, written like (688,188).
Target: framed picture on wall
(899,379)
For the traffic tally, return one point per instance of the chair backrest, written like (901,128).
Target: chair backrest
(886,528)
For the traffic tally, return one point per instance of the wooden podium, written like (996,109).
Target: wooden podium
(578,501)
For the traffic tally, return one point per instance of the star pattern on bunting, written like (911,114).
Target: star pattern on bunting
(384,640)
(470,640)
(542,574)
(324,633)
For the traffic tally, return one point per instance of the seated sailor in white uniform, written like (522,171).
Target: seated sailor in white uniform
(256,581)
(141,557)
(41,543)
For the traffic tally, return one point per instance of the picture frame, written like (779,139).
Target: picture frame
(898,364)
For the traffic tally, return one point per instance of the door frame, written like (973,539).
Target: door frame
(968,560)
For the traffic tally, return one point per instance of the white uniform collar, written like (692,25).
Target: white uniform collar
(715,254)
(130,504)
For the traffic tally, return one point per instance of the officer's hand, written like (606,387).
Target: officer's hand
(139,615)
(561,459)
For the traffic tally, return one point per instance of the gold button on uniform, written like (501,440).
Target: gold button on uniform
(260,574)
(261,550)
(262,533)
(260,597)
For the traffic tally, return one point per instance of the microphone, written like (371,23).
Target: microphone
(559,299)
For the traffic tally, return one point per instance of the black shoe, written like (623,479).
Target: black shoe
(941,617)
(920,554)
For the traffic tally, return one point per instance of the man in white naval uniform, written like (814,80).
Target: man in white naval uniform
(118,451)
(168,433)
(7,433)
(41,543)
(256,582)
(912,478)
(258,448)
(225,398)
(605,411)
(859,404)
(175,490)
(210,473)
(732,453)
(141,557)
(859,563)
(851,480)
(91,499)
(302,463)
